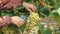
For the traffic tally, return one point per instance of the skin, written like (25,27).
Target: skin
(2,2)
(4,20)
(29,7)
(16,3)
(0,19)
(13,3)
(17,21)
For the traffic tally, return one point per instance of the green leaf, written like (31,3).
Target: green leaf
(56,17)
(48,31)
(58,32)
(58,11)
(23,27)
(6,14)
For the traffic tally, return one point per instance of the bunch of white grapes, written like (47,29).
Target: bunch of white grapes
(33,20)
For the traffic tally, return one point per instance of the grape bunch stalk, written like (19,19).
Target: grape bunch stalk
(33,20)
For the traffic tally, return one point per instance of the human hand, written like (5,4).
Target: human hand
(29,7)
(2,2)
(17,21)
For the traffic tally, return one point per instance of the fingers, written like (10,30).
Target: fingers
(5,20)
(33,8)
(29,7)
(17,21)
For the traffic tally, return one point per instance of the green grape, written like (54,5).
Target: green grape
(33,19)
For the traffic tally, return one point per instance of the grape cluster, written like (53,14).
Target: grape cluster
(33,20)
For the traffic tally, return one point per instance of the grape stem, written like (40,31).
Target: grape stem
(28,28)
